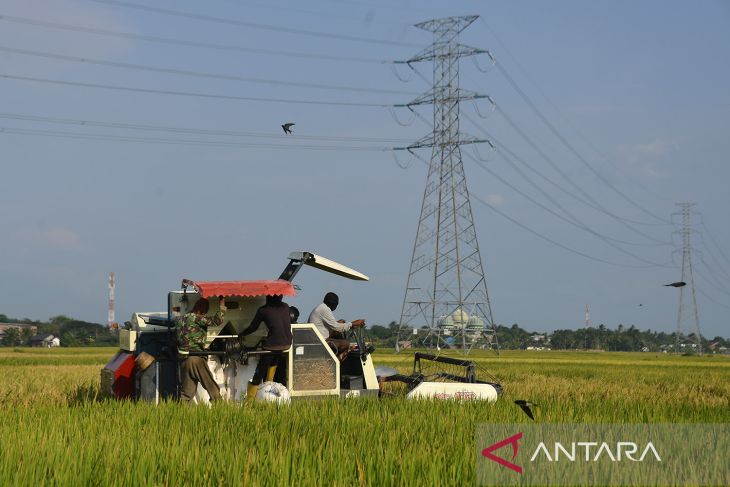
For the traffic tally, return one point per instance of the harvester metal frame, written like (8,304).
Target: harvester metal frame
(417,377)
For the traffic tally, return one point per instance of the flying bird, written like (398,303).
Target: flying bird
(525,406)
(677,284)
(287,127)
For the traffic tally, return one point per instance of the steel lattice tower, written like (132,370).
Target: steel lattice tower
(446,294)
(588,326)
(687,311)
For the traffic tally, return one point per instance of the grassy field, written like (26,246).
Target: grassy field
(55,429)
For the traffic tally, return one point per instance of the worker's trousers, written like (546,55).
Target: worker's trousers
(262,369)
(194,370)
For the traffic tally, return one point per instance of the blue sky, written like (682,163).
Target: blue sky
(637,89)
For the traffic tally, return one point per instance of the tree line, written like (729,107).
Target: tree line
(71,332)
(621,339)
(76,333)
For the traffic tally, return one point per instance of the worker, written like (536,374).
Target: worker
(276,315)
(333,330)
(294,314)
(192,330)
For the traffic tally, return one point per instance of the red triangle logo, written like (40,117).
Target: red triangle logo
(512,440)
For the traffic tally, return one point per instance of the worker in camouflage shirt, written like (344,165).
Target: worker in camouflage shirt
(192,330)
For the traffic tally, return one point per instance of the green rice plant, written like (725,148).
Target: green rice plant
(57,430)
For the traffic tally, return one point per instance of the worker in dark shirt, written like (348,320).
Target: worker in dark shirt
(275,314)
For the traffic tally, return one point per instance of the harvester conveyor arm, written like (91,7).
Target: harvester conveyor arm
(446,360)
(411,380)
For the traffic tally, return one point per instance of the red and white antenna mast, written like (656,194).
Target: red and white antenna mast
(110,319)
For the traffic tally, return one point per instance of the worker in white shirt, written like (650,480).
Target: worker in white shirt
(332,329)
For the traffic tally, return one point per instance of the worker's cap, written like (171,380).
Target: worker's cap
(331,298)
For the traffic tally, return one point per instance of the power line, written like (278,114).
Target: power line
(554,242)
(277,6)
(497,146)
(184,42)
(76,135)
(699,290)
(541,236)
(191,94)
(187,130)
(719,265)
(207,143)
(572,219)
(570,147)
(504,152)
(198,74)
(716,282)
(252,25)
(589,201)
(539,88)
(578,188)
(712,239)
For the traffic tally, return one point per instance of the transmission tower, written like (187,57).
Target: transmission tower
(588,326)
(687,307)
(446,301)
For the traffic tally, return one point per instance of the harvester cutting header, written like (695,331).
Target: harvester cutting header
(166,355)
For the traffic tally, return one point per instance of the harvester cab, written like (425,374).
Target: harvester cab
(146,365)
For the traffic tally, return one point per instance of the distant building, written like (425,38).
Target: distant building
(45,340)
(20,326)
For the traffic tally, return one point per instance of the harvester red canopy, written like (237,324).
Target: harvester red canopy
(209,289)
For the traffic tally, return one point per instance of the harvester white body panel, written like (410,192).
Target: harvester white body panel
(454,390)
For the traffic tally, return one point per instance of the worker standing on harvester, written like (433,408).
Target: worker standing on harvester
(276,315)
(192,330)
(333,330)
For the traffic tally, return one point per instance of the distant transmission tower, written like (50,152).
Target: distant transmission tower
(110,317)
(588,325)
(446,301)
(687,312)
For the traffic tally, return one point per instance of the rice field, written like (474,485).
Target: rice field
(56,430)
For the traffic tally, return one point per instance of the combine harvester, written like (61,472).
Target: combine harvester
(146,366)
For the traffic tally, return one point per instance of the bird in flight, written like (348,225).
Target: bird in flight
(677,284)
(525,406)
(287,127)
